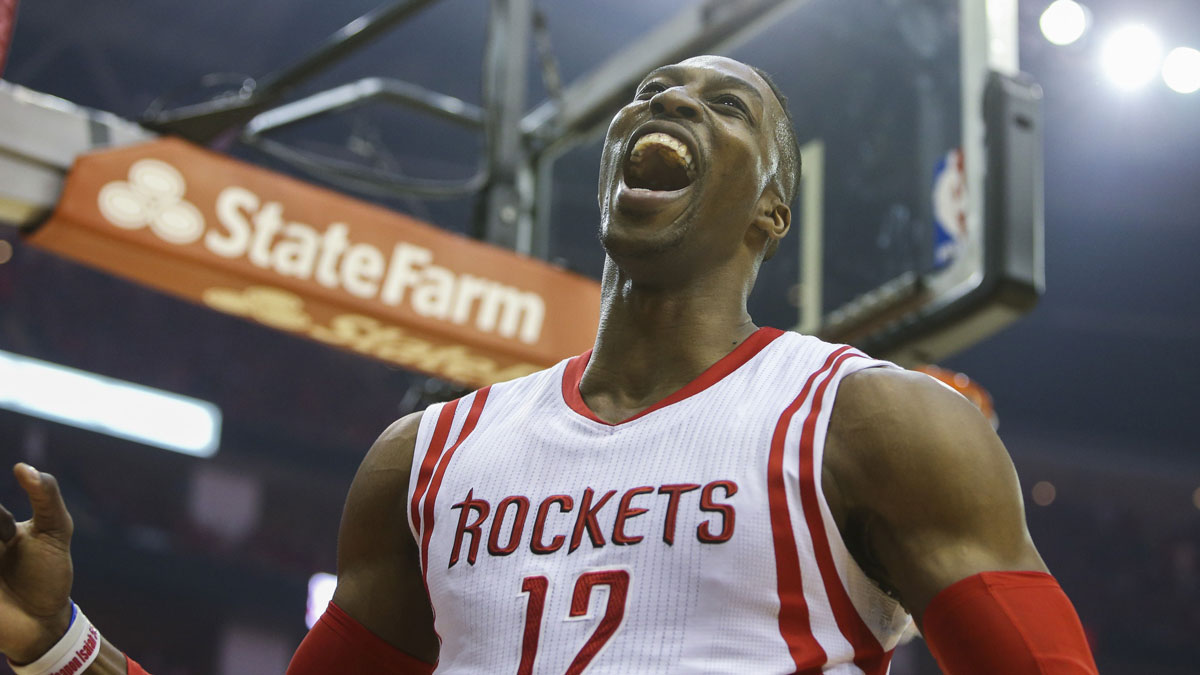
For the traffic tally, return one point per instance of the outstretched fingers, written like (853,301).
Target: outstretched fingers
(50,514)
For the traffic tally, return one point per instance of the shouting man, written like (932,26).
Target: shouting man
(695,495)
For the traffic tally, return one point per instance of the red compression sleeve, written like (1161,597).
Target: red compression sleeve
(339,644)
(1007,623)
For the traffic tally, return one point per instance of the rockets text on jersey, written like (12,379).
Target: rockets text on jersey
(693,537)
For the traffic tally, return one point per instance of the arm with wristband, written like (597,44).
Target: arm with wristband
(41,631)
(927,501)
(379,621)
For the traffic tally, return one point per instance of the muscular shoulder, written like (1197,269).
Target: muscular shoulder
(393,451)
(917,477)
(379,580)
(380,486)
(894,432)
(887,421)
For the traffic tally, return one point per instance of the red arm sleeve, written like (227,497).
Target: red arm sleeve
(1007,623)
(339,644)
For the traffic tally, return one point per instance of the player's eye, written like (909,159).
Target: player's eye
(731,101)
(649,89)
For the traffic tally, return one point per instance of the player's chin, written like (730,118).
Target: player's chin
(642,237)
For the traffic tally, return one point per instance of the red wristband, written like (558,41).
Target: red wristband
(339,644)
(1007,623)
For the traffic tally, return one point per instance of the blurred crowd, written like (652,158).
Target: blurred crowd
(1135,583)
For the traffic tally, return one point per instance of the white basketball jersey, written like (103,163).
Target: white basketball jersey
(691,538)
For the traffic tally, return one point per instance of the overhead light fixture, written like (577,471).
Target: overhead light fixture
(1181,70)
(1131,56)
(1064,22)
(109,406)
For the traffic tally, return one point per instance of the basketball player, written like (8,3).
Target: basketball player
(695,495)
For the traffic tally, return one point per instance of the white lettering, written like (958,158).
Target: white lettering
(230,204)
(361,270)
(402,273)
(296,254)
(267,224)
(260,232)
(433,297)
(332,247)
(469,289)
(516,308)
(502,309)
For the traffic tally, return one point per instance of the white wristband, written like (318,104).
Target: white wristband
(74,652)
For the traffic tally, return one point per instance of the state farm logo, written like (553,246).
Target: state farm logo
(258,232)
(152,197)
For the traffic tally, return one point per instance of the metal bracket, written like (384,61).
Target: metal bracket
(39,140)
(355,176)
(204,122)
(521,145)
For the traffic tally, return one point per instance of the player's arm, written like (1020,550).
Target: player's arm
(39,627)
(927,499)
(380,620)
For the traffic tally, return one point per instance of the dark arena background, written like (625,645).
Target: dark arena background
(1086,348)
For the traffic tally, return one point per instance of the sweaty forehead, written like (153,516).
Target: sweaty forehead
(723,66)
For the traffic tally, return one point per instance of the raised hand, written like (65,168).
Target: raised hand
(35,570)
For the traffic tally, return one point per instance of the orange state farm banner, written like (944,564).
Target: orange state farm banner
(247,241)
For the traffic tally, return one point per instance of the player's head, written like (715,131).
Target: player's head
(699,169)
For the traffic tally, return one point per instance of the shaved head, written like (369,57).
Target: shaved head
(788,176)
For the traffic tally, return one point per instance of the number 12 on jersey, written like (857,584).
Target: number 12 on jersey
(536,588)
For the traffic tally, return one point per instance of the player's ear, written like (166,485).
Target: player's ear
(774,219)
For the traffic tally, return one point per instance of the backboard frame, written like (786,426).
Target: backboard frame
(998,274)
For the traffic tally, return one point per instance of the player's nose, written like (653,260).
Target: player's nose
(674,102)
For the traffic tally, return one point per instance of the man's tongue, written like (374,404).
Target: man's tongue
(659,162)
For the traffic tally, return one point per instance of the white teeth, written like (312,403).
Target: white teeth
(670,148)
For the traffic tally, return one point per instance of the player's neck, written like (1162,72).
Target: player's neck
(653,340)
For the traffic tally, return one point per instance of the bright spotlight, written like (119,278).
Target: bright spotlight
(1063,22)
(1131,56)
(1181,70)
(109,406)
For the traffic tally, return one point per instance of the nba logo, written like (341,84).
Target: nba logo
(949,209)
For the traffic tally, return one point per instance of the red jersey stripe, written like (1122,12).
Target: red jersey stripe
(806,652)
(438,443)
(735,359)
(440,472)
(868,653)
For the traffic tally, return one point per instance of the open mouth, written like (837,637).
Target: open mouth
(659,162)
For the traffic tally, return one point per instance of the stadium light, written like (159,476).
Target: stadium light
(320,591)
(109,406)
(1181,70)
(1064,22)
(1131,56)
